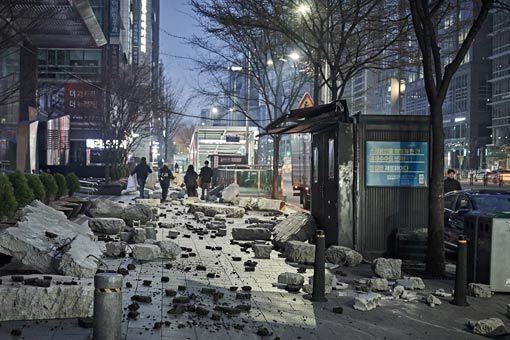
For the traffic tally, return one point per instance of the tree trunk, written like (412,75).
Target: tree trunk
(276,157)
(435,248)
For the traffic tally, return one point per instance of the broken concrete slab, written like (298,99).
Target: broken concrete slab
(138,235)
(261,204)
(296,227)
(212,209)
(343,256)
(411,282)
(137,212)
(151,233)
(115,249)
(220,217)
(153,202)
(291,279)
(230,192)
(489,327)
(433,301)
(107,225)
(262,251)
(479,290)
(105,208)
(330,282)
(398,291)
(25,302)
(146,252)
(169,250)
(390,269)
(301,252)
(251,234)
(67,253)
(367,302)
(378,285)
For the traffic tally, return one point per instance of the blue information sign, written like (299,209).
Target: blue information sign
(397,164)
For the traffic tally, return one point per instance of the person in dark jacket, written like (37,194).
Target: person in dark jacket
(190,179)
(450,183)
(206,174)
(142,171)
(165,176)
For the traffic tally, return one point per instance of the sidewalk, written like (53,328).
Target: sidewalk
(285,315)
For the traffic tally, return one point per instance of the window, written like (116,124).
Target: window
(449,201)
(463,203)
(316,165)
(331,158)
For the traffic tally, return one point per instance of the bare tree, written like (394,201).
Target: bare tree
(438,71)
(129,104)
(265,60)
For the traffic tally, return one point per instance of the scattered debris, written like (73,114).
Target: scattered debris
(479,290)
(440,292)
(138,212)
(489,327)
(378,285)
(262,251)
(367,302)
(115,249)
(398,291)
(411,282)
(300,252)
(211,209)
(296,227)
(291,279)
(146,252)
(390,269)
(432,300)
(343,256)
(107,225)
(250,234)
(169,250)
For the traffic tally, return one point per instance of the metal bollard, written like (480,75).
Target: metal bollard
(107,306)
(319,274)
(459,297)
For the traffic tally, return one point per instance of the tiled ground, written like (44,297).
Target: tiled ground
(285,315)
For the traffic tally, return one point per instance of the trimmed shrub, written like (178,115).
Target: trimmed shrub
(37,187)
(8,202)
(62,185)
(22,192)
(73,183)
(50,186)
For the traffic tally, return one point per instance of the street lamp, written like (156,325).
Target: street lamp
(294,56)
(303,9)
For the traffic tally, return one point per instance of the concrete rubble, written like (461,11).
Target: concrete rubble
(211,209)
(432,300)
(397,292)
(411,283)
(169,250)
(378,285)
(296,227)
(300,252)
(146,252)
(343,256)
(390,269)
(230,193)
(479,290)
(107,225)
(291,279)
(367,302)
(251,234)
(330,282)
(105,208)
(261,204)
(45,240)
(115,249)
(54,300)
(489,327)
(262,251)
(137,212)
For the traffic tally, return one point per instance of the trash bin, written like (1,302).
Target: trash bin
(488,249)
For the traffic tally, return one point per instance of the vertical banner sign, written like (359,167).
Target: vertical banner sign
(397,164)
(114,18)
(137,15)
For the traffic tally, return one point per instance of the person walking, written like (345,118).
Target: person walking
(206,174)
(176,167)
(165,176)
(190,180)
(450,183)
(142,171)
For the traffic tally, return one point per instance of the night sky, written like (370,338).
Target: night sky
(176,18)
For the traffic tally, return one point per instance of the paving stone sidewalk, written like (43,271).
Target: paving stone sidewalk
(284,315)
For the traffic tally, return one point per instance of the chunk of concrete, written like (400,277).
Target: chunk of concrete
(105,208)
(489,327)
(367,302)
(212,209)
(296,227)
(251,234)
(330,282)
(138,235)
(479,290)
(151,233)
(411,282)
(146,252)
(67,253)
(230,192)
(115,249)
(291,279)
(390,269)
(137,212)
(169,250)
(301,252)
(398,291)
(23,302)
(262,251)
(153,202)
(107,225)
(220,217)
(343,256)
(378,285)
(433,301)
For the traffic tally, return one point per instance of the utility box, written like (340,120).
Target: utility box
(488,249)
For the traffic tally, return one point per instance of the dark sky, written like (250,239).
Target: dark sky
(176,18)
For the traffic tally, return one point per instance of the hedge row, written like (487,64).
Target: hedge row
(18,189)
(119,172)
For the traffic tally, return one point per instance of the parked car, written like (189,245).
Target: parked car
(459,203)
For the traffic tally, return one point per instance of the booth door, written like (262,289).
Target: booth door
(325,183)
